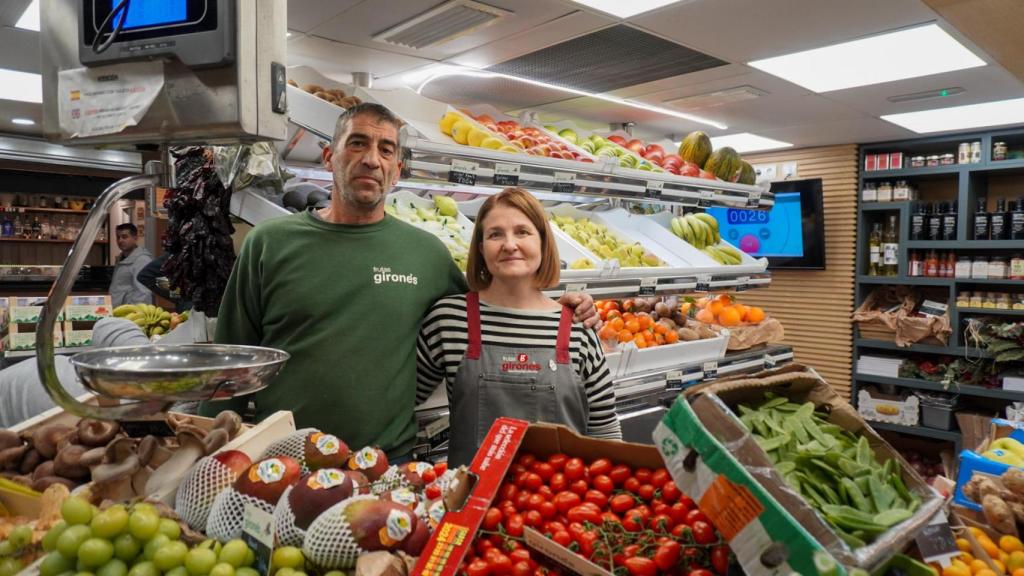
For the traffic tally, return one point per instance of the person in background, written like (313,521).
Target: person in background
(153,278)
(343,290)
(506,349)
(125,287)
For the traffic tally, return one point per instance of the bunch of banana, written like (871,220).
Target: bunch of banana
(723,254)
(697,228)
(152,319)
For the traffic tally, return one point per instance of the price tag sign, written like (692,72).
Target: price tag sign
(258,534)
(754,200)
(647,286)
(564,182)
(579,287)
(706,196)
(654,188)
(936,541)
(710,370)
(703,284)
(462,172)
(674,380)
(769,362)
(743,283)
(506,174)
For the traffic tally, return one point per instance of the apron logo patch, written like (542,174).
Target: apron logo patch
(519,364)
(383,274)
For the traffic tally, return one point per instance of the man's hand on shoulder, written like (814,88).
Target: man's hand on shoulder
(582,305)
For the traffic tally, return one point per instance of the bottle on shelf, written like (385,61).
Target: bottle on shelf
(875,250)
(949,222)
(963,267)
(62,231)
(7,227)
(999,221)
(37,229)
(18,227)
(890,249)
(931,265)
(935,221)
(916,264)
(949,265)
(981,220)
(1017,220)
(44,228)
(919,222)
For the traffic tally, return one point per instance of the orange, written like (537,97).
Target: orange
(725,299)
(741,309)
(617,323)
(754,315)
(966,557)
(659,339)
(648,336)
(684,308)
(1017,572)
(625,336)
(671,337)
(633,325)
(716,307)
(985,571)
(607,333)
(729,317)
(645,321)
(1010,544)
(978,565)
(706,316)
(659,328)
(989,546)
(613,313)
(956,568)
(963,544)
(1015,561)
(976,532)
(1000,564)
(628,316)
(640,341)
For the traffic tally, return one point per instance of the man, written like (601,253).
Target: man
(153,278)
(125,287)
(343,290)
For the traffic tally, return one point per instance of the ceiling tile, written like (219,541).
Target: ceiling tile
(337,60)
(304,15)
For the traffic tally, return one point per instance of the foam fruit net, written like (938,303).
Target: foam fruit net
(201,486)
(228,511)
(329,543)
(292,446)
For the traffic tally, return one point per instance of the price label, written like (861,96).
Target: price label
(462,172)
(506,174)
(710,370)
(703,284)
(754,200)
(564,182)
(579,287)
(769,362)
(743,283)
(654,188)
(258,534)
(706,196)
(936,542)
(674,380)
(647,286)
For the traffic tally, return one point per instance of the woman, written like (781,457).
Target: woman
(506,349)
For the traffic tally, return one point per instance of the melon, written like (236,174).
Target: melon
(746,173)
(696,148)
(723,163)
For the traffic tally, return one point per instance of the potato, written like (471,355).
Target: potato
(688,334)
(293,83)
(313,88)
(1013,479)
(338,93)
(998,514)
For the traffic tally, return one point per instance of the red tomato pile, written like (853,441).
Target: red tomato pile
(631,521)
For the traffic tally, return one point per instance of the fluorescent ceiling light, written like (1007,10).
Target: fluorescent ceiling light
(747,142)
(961,117)
(22,86)
(30,17)
(427,75)
(23,121)
(623,9)
(909,53)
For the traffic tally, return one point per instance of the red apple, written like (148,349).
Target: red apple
(672,159)
(690,169)
(370,461)
(531,131)
(526,142)
(655,157)
(673,170)
(485,119)
(234,460)
(707,175)
(325,451)
(316,492)
(268,478)
(654,148)
(583,159)
(617,139)
(636,146)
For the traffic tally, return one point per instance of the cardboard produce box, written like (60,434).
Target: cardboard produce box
(87,308)
(507,438)
(702,426)
(77,333)
(26,309)
(972,461)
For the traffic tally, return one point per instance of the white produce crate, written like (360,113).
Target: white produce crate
(651,233)
(636,361)
(749,263)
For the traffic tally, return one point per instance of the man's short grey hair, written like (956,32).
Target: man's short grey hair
(376,110)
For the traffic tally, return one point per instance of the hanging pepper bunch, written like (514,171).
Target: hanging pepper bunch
(198,237)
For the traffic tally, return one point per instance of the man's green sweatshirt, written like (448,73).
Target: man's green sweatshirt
(346,302)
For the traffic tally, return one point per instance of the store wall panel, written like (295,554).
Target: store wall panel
(815,306)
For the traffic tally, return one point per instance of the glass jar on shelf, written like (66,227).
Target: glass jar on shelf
(998,267)
(989,300)
(976,299)
(1018,301)
(979,268)
(1003,301)
(963,299)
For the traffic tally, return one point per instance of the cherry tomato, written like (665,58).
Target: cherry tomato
(670,492)
(643,475)
(558,461)
(499,563)
(543,469)
(603,483)
(533,519)
(611,517)
(631,484)
(646,492)
(644,511)
(546,492)
(682,532)
(514,525)
(627,552)
(517,469)
(600,499)
(587,540)
(440,468)
(532,481)
(553,526)
(478,567)
(548,510)
(491,519)
(703,533)
(574,469)
(667,555)
(580,487)
(661,523)
(520,555)
(566,500)
(619,474)
(720,559)
(429,476)
(699,572)
(621,503)
(678,512)
(432,492)
(600,466)
(522,501)
(522,568)
(633,521)
(534,502)
(696,516)
(690,504)
(526,460)
(562,537)
(584,514)
(659,477)
(639,566)
(558,482)
(483,545)
(508,491)
(659,507)
(576,529)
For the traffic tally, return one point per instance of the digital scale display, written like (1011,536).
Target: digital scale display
(764,233)
(145,13)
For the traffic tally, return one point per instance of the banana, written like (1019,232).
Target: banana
(707,219)
(700,231)
(677,227)
(731,251)
(125,309)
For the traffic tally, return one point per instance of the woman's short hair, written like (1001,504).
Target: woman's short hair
(547,275)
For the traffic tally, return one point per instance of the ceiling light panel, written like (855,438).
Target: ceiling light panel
(1000,113)
(22,121)
(909,53)
(747,142)
(30,17)
(621,9)
(21,86)
(441,24)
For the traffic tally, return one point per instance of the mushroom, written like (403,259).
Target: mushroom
(191,447)
(47,438)
(31,460)
(113,478)
(10,459)
(9,439)
(44,469)
(175,420)
(95,433)
(92,457)
(45,482)
(68,462)
(229,421)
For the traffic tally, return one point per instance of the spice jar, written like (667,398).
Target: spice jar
(999,151)
(1018,302)
(885,191)
(932,160)
(947,159)
(979,268)
(998,267)
(869,193)
(918,161)
(963,267)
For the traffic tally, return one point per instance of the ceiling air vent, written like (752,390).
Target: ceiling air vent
(441,24)
(717,98)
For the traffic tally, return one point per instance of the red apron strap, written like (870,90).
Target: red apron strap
(564,332)
(473,325)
